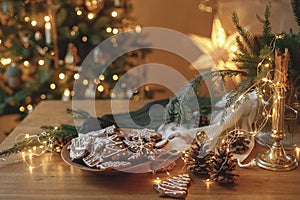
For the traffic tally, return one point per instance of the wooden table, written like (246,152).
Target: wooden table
(57,180)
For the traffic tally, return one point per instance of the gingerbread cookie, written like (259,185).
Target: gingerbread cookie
(80,147)
(112,147)
(109,165)
(175,187)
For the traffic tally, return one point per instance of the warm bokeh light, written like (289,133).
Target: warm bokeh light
(114,13)
(100,88)
(52,86)
(91,16)
(101,77)
(33,23)
(41,62)
(108,29)
(115,77)
(61,76)
(47,19)
(115,31)
(85,82)
(26,63)
(84,39)
(76,76)
(21,108)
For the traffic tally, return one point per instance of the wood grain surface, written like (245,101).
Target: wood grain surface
(55,179)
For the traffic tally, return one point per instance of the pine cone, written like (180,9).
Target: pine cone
(198,160)
(222,167)
(239,143)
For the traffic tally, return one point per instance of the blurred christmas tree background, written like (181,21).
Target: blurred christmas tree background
(44,42)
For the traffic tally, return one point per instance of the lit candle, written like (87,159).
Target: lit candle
(297,153)
(66,95)
(47,29)
(117,3)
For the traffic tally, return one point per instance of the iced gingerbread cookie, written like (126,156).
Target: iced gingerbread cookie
(175,187)
(109,165)
(80,147)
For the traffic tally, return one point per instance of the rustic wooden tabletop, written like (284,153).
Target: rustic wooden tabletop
(55,179)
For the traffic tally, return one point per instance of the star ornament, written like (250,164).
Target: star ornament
(218,50)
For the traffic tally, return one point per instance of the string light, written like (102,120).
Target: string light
(108,29)
(85,82)
(61,76)
(22,109)
(84,39)
(33,23)
(76,76)
(157,180)
(5,61)
(138,29)
(26,19)
(233,48)
(115,77)
(43,96)
(67,92)
(91,16)
(48,26)
(52,86)
(75,28)
(26,63)
(114,13)
(101,77)
(100,88)
(72,33)
(47,19)
(78,11)
(29,107)
(41,62)
(115,31)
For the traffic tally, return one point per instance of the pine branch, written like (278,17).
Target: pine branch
(296,10)
(51,134)
(243,33)
(78,113)
(178,109)
(267,29)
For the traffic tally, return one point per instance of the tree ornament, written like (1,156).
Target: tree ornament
(219,49)
(222,166)
(13,74)
(94,5)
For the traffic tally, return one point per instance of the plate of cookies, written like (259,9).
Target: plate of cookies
(114,150)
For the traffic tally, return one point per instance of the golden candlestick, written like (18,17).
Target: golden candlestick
(276,159)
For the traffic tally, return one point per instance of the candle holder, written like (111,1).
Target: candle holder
(276,158)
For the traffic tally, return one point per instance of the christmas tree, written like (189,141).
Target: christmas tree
(44,42)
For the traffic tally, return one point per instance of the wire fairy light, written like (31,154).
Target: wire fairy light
(262,86)
(28,147)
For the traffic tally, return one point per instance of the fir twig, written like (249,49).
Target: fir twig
(51,134)
(178,107)
(243,33)
(78,113)
(296,10)
(267,37)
